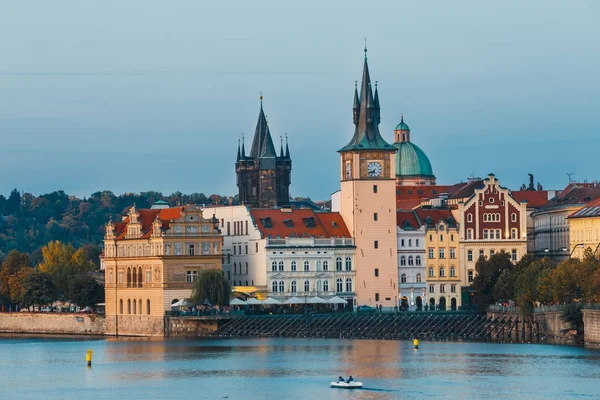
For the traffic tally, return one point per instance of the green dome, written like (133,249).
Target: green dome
(402,126)
(411,160)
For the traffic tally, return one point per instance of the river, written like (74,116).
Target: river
(133,368)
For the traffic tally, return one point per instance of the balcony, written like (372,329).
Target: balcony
(310,242)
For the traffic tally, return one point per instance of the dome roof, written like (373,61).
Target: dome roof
(402,126)
(412,161)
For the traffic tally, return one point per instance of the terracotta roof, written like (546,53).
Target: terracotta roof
(299,223)
(575,193)
(435,215)
(147,216)
(407,204)
(534,198)
(407,217)
(464,190)
(591,210)
(420,191)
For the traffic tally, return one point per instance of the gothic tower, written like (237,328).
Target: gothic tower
(368,200)
(263,178)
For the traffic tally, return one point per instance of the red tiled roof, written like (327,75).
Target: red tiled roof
(294,223)
(420,191)
(591,210)
(534,198)
(408,204)
(147,216)
(464,190)
(402,217)
(575,193)
(436,215)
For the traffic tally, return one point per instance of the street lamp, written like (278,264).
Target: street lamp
(576,246)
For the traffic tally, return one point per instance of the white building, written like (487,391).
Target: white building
(411,261)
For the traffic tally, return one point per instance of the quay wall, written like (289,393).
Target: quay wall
(190,326)
(135,325)
(52,323)
(543,326)
(591,326)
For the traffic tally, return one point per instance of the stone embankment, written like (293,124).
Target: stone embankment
(591,326)
(52,323)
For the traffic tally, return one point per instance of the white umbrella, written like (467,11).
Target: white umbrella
(317,300)
(294,300)
(337,300)
(181,303)
(271,300)
(252,301)
(237,302)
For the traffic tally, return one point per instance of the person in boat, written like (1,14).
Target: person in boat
(341,379)
(351,379)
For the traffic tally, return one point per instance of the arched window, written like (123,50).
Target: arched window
(418,260)
(128,276)
(148,306)
(326,286)
(281,265)
(134,282)
(411,260)
(128,306)
(442,273)
(325,266)
(431,271)
(403,278)
(418,278)
(294,266)
(339,285)
(306,266)
(140,282)
(469,217)
(273,266)
(338,264)
(513,217)
(246,269)
(306,286)
(417,242)
(403,260)
(274,287)
(452,271)
(348,285)
(140,306)
(319,286)
(348,263)
(319,266)
(121,306)
(293,286)
(409,242)
(281,286)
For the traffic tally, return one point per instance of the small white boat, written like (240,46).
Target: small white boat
(345,385)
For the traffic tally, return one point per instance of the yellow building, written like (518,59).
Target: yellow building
(151,260)
(367,201)
(584,229)
(442,263)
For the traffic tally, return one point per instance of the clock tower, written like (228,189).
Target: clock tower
(368,200)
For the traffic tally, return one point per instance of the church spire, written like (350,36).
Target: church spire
(287,149)
(238,151)
(356,106)
(243,148)
(262,144)
(376,105)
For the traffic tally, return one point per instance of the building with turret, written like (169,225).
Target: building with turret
(263,177)
(413,167)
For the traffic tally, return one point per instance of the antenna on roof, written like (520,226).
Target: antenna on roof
(569,174)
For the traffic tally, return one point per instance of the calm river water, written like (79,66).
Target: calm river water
(54,368)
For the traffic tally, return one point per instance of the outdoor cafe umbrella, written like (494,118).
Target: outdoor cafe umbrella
(317,300)
(271,301)
(337,300)
(253,302)
(237,302)
(294,300)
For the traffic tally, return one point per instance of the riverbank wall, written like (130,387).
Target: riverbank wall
(52,323)
(591,326)
(541,327)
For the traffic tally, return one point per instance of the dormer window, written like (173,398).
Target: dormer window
(266,222)
(309,222)
(334,224)
(289,223)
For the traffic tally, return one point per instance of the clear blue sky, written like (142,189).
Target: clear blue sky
(152,95)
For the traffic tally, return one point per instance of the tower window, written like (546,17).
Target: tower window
(376,271)
(374,188)
(374,216)
(376,244)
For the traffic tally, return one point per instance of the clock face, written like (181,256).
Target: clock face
(348,170)
(374,169)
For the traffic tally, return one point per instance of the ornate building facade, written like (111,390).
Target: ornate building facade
(152,258)
(368,198)
(263,177)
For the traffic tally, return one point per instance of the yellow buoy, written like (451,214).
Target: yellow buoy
(88,358)
(416,343)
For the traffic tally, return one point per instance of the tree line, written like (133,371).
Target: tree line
(64,274)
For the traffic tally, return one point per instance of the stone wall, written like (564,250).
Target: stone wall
(591,326)
(55,323)
(190,326)
(546,326)
(135,325)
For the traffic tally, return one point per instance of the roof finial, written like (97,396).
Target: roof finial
(402,117)
(376,84)
(365,48)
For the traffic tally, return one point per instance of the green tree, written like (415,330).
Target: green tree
(211,286)
(527,282)
(488,273)
(11,265)
(38,290)
(84,290)
(63,262)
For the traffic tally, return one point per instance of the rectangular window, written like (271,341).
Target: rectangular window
(470,275)
(481,254)
(469,234)
(246,227)
(442,255)
(376,244)
(191,250)
(234,249)
(470,255)
(121,277)
(246,249)
(452,238)
(442,288)
(256,247)
(441,238)
(376,296)
(374,216)
(148,276)
(430,253)
(374,188)
(453,288)
(513,255)
(498,234)
(191,276)
(431,289)
(417,242)
(485,233)
(376,271)
(492,252)
(453,253)
(228,228)
(402,243)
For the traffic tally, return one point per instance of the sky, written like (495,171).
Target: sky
(134,96)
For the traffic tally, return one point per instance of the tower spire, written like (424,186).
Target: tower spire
(243,148)
(287,149)
(238,150)
(281,154)
(356,106)
(376,105)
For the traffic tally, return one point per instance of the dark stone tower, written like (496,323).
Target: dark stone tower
(263,178)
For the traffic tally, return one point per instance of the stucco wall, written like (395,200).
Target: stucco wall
(55,323)
(135,325)
(591,326)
